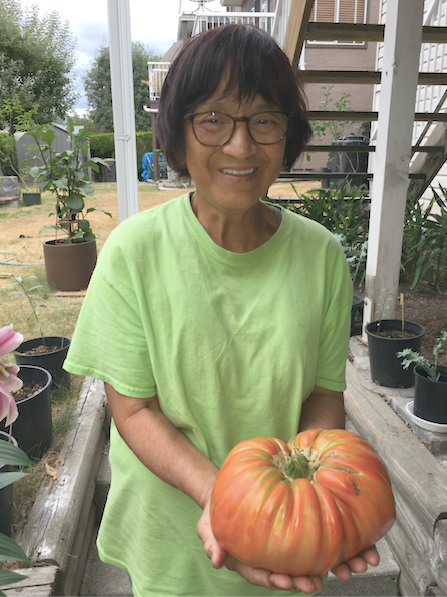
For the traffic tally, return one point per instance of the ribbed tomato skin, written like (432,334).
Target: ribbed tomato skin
(301,527)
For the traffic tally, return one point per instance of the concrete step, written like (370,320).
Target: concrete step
(103,579)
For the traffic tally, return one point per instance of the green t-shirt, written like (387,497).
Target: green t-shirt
(232,344)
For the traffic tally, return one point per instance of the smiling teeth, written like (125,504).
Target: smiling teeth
(238,172)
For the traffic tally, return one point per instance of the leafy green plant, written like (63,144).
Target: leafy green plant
(382,306)
(335,129)
(34,300)
(411,356)
(424,247)
(13,114)
(9,549)
(9,453)
(65,174)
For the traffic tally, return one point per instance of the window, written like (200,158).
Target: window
(338,11)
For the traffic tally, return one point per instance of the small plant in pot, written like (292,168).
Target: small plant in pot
(47,352)
(71,257)
(10,454)
(386,337)
(430,390)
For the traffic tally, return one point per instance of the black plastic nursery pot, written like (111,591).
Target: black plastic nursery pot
(357,305)
(33,428)
(430,396)
(6,493)
(386,366)
(51,361)
(31,199)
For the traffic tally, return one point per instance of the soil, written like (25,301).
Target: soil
(426,306)
(41,349)
(28,389)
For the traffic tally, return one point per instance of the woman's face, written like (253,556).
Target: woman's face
(232,177)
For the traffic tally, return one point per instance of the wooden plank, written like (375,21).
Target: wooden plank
(296,29)
(355,116)
(361,77)
(365,32)
(70,293)
(413,470)
(421,544)
(291,176)
(43,581)
(431,149)
(75,571)
(50,532)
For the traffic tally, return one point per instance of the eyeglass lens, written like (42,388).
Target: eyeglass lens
(215,128)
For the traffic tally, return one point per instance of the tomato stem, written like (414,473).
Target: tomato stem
(297,467)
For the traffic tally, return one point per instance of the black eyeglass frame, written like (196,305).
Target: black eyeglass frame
(236,119)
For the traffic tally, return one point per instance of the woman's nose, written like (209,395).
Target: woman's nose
(240,145)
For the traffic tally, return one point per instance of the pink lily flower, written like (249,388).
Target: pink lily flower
(9,382)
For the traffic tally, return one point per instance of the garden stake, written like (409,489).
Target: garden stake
(402,304)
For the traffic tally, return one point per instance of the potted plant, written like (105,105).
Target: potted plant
(47,352)
(387,337)
(430,389)
(29,395)
(70,258)
(10,453)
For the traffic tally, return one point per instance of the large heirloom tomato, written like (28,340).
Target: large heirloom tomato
(303,507)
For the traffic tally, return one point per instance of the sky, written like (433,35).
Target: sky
(153,22)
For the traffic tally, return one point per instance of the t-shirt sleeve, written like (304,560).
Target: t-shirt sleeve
(335,330)
(110,340)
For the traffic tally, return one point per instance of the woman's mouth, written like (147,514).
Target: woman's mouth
(238,172)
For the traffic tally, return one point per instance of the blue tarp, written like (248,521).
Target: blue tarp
(148,166)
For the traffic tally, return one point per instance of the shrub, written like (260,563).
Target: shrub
(103,146)
(8,155)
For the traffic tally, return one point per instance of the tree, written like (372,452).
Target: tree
(36,57)
(97,84)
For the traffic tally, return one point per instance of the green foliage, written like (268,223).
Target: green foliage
(9,549)
(34,300)
(424,247)
(103,146)
(334,129)
(97,84)
(8,155)
(36,57)
(343,211)
(64,174)
(412,356)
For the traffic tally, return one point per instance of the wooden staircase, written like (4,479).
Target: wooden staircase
(430,156)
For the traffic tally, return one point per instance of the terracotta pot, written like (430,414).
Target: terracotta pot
(69,267)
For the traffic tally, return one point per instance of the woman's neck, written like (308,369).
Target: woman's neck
(237,232)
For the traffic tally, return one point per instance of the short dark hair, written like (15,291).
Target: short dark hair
(256,65)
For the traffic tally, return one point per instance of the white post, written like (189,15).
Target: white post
(402,46)
(120,48)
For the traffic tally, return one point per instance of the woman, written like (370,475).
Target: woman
(220,318)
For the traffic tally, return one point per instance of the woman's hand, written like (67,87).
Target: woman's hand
(255,576)
(358,564)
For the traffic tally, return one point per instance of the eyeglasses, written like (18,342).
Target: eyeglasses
(215,128)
